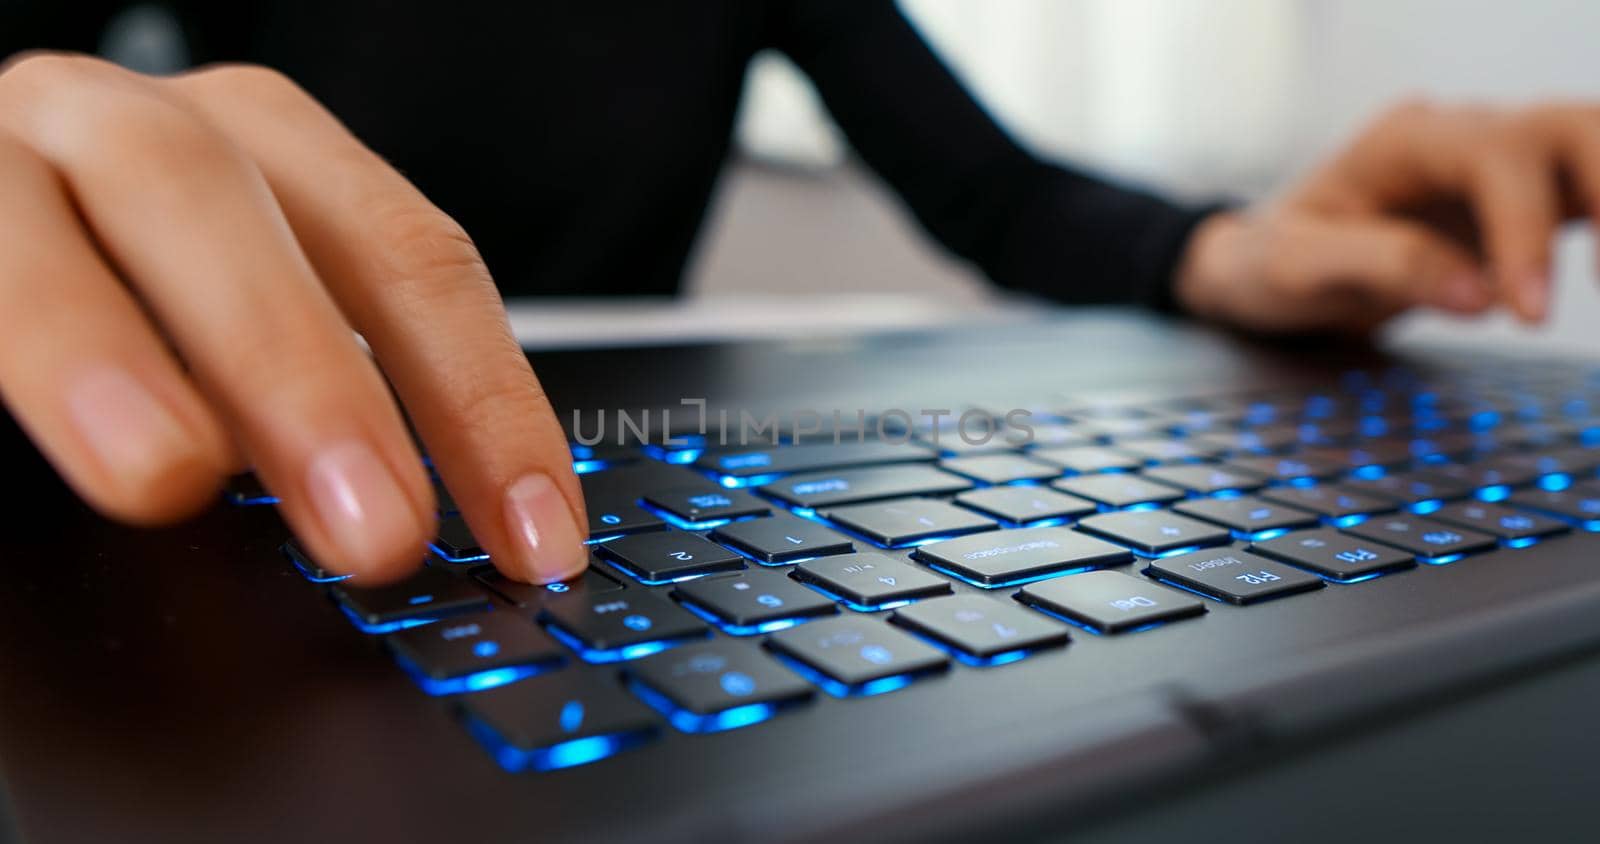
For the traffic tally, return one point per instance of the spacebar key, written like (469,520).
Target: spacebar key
(826,489)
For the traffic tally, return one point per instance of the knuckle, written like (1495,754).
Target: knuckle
(49,68)
(253,81)
(426,252)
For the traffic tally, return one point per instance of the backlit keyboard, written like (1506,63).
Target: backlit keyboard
(732,584)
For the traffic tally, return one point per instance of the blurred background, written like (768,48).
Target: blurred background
(1201,98)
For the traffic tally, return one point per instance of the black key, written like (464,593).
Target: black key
(1204,479)
(1292,467)
(1496,520)
(453,656)
(1169,451)
(1249,441)
(1386,452)
(1580,502)
(1088,459)
(1118,490)
(897,523)
(853,486)
(1001,557)
(1108,601)
(426,596)
(782,539)
(700,504)
(1153,531)
(1422,537)
(980,627)
(693,685)
(311,569)
(1024,504)
(591,582)
(870,580)
(558,720)
(1327,501)
(852,652)
(618,625)
(455,542)
(753,598)
(668,555)
(1410,487)
(614,511)
(809,457)
(1232,575)
(1246,514)
(999,468)
(1494,471)
(1333,554)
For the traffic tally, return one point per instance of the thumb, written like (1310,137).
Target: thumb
(1398,264)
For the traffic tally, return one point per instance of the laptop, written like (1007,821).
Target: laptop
(953,584)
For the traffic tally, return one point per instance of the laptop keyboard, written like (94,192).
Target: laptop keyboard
(730,585)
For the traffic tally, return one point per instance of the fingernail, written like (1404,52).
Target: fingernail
(1464,292)
(1535,295)
(361,504)
(132,433)
(541,526)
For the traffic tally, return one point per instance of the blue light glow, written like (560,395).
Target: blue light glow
(622,654)
(1521,542)
(451,557)
(852,604)
(588,467)
(1260,535)
(684,524)
(313,576)
(1348,521)
(596,540)
(689,722)
(1369,472)
(245,500)
(631,572)
(744,630)
(1443,560)
(1143,505)
(1497,492)
(675,456)
(1424,507)
(564,755)
(474,682)
(1555,482)
(882,685)
(1360,578)
(733,482)
(384,627)
(1302,482)
(1171,552)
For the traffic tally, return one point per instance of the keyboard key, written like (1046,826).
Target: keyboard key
(898,523)
(1249,441)
(1001,557)
(1109,602)
(782,539)
(455,542)
(1153,531)
(426,596)
(1168,451)
(1410,487)
(1422,537)
(528,595)
(473,652)
(754,598)
(1246,514)
(1333,554)
(619,625)
(667,555)
(559,720)
(1289,468)
(1496,520)
(1118,490)
(311,569)
(999,468)
(869,579)
(1579,502)
(856,654)
(716,686)
(979,627)
(1503,470)
(1328,501)
(611,499)
(1087,460)
(1385,452)
(704,503)
(1203,479)
(742,462)
(1232,575)
(1024,504)
(860,485)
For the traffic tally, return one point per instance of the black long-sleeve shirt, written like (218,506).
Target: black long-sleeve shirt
(579,142)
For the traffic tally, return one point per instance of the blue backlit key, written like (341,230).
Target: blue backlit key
(1493,519)
(1246,514)
(1333,554)
(1232,575)
(857,654)
(613,508)
(1153,531)
(473,652)
(1581,502)
(619,625)
(559,720)
(1007,556)
(311,569)
(1204,479)
(426,596)
(1411,487)
(754,599)
(1118,490)
(1000,468)
(807,457)
(1290,468)
(1025,504)
(897,523)
(455,542)
(591,582)
(716,686)
(1423,537)
(782,539)
(1169,451)
(870,580)
(705,503)
(1327,500)
(667,555)
(1108,601)
(980,628)
(1088,459)
(854,486)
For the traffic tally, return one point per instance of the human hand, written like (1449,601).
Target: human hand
(187,263)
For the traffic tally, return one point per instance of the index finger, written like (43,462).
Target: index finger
(410,281)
